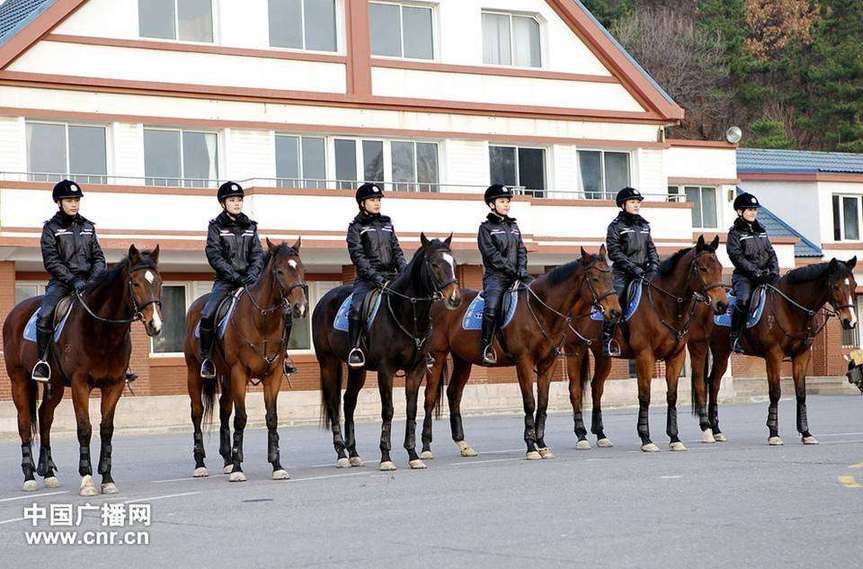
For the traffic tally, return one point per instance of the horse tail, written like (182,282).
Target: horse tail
(331,393)
(441,387)
(705,379)
(32,397)
(585,374)
(209,388)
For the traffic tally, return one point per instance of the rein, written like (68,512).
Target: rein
(810,333)
(136,308)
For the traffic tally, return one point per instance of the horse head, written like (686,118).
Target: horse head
(290,276)
(705,275)
(439,270)
(145,287)
(842,291)
(598,280)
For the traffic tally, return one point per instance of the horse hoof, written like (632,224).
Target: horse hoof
(426,455)
(604,443)
(810,440)
(546,453)
(237,477)
(387,466)
(52,482)
(775,441)
(677,446)
(357,461)
(343,463)
(707,436)
(30,486)
(110,488)
(583,444)
(649,447)
(466,450)
(533,455)
(201,472)
(720,438)
(281,474)
(417,465)
(229,468)
(88,488)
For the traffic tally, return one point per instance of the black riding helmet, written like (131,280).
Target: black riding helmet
(746,201)
(368,190)
(230,190)
(628,193)
(495,191)
(65,189)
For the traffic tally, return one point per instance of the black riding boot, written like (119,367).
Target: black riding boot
(208,368)
(738,321)
(488,355)
(610,347)
(356,357)
(42,370)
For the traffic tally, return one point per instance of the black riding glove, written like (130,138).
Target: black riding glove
(636,271)
(249,280)
(79,285)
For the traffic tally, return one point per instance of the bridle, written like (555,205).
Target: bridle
(137,308)
(810,333)
(595,304)
(284,293)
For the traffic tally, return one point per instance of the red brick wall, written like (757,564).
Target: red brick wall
(7,301)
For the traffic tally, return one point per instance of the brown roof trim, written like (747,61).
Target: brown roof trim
(802,177)
(683,180)
(723,237)
(33,32)
(491,70)
(679,142)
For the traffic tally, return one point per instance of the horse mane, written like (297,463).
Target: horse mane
(281,249)
(115,271)
(562,273)
(807,274)
(667,266)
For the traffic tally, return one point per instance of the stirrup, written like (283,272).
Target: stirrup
(356,358)
(429,361)
(208,372)
(288,366)
(612,348)
(488,355)
(736,347)
(41,378)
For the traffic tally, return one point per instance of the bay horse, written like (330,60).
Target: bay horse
(92,352)
(253,347)
(531,342)
(397,340)
(786,329)
(658,329)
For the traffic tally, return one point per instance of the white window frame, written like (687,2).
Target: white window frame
(214,16)
(680,190)
(184,182)
(542,51)
(187,288)
(387,150)
(40,288)
(327,160)
(81,178)
(854,332)
(842,197)
(545,163)
(340,32)
(317,289)
(434,30)
(417,184)
(606,194)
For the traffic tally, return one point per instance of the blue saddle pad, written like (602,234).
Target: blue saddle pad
(755,310)
(341,320)
(473,317)
(30,328)
(634,300)
(222,326)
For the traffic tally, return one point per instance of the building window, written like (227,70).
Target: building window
(414,166)
(25,290)
(516,166)
(851,338)
(170,340)
(185,20)
(180,158)
(603,174)
(401,30)
(408,165)
(300,161)
(301,329)
(703,200)
(510,39)
(846,218)
(303,24)
(59,150)
(351,153)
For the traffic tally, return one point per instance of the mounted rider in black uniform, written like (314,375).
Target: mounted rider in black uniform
(504,260)
(754,260)
(234,251)
(375,252)
(72,256)
(631,248)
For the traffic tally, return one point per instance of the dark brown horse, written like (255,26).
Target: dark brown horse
(397,340)
(92,352)
(658,330)
(531,342)
(786,329)
(253,347)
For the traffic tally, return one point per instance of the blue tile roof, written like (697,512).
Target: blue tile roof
(16,14)
(764,160)
(777,228)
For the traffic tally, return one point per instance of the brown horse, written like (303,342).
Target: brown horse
(786,330)
(657,330)
(397,340)
(531,342)
(92,352)
(253,347)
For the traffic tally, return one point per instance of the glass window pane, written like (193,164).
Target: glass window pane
(23,291)
(162,157)
(616,172)
(708,207)
(87,153)
(693,196)
(199,158)
(849,211)
(156,19)
(590,166)
(286,25)
(417,32)
(373,161)
(46,150)
(837,224)
(531,169)
(320,17)
(525,32)
(502,164)
(386,30)
(403,165)
(314,162)
(196,20)
(496,39)
(427,166)
(346,163)
(170,340)
(288,161)
(300,334)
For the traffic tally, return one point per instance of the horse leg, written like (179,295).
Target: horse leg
(524,369)
(193,383)
(645,364)
(226,407)
(774,363)
(272,384)
(238,395)
(454,393)
(721,357)
(412,388)
(110,396)
(799,366)
(698,360)
(672,377)
(433,387)
(331,395)
(46,466)
(576,393)
(356,380)
(597,385)
(81,402)
(385,388)
(542,386)
(24,393)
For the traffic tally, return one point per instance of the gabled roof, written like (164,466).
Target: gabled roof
(778,228)
(762,160)
(17,14)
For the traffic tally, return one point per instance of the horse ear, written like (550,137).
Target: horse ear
(851,263)
(584,254)
(699,246)
(299,243)
(134,254)
(603,252)
(833,264)
(448,241)
(270,246)
(424,240)
(714,245)
(155,254)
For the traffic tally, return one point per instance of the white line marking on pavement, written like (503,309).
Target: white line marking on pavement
(333,476)
(165,497)
(10,521)
(671,477)
(31,496)
(467,463)
(838,434)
